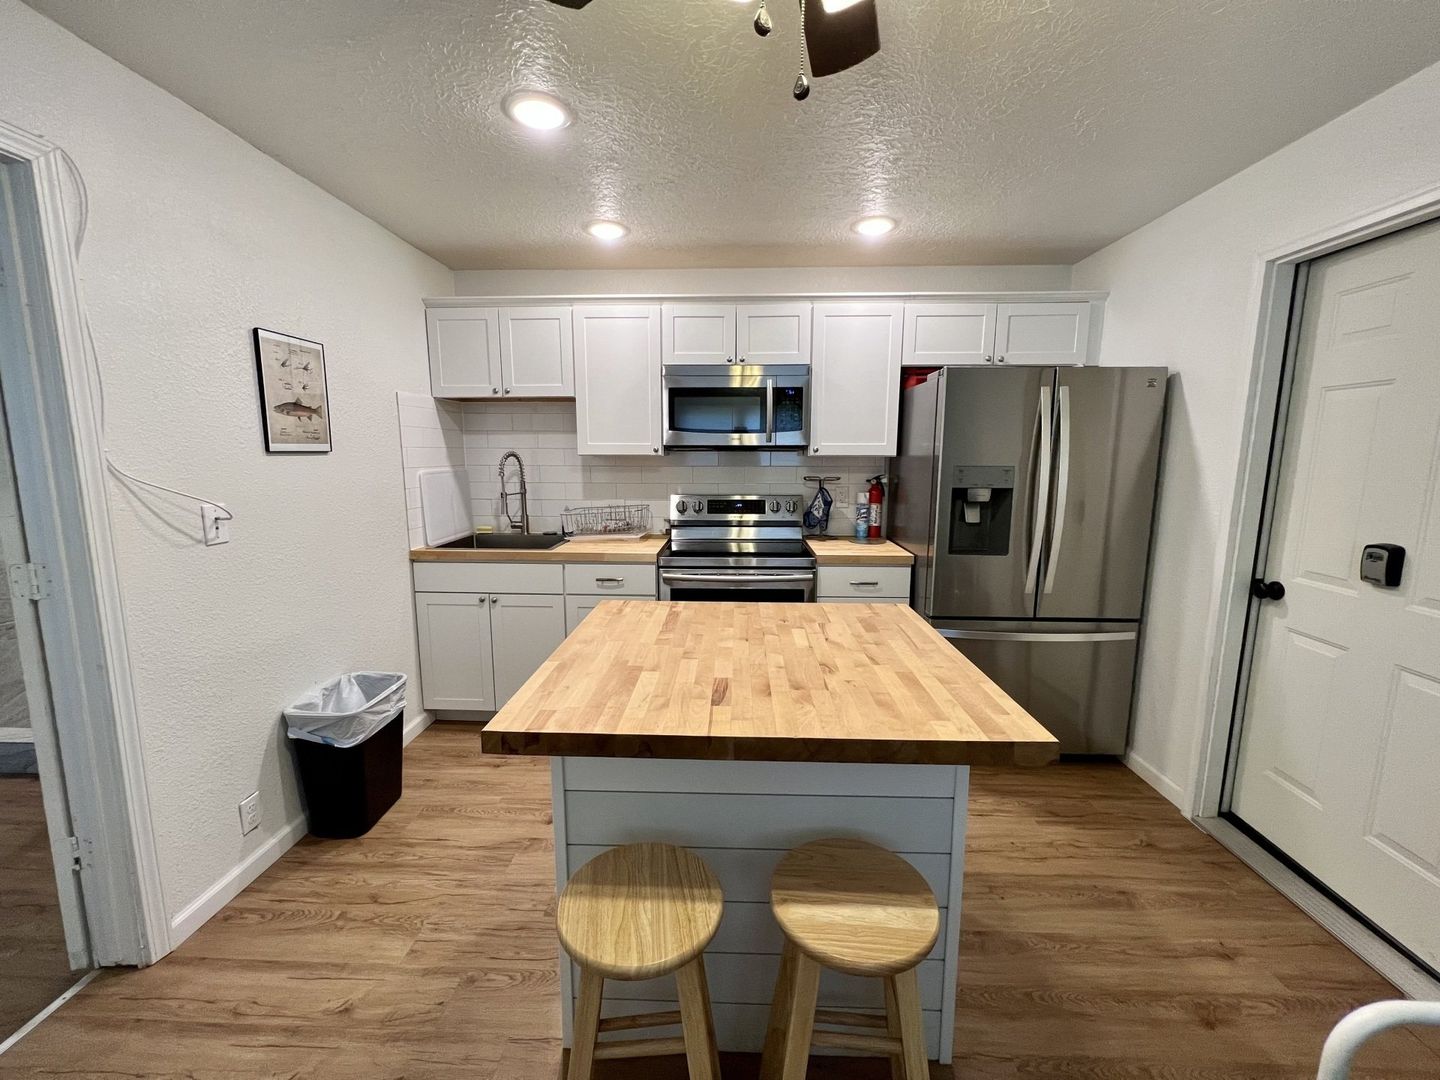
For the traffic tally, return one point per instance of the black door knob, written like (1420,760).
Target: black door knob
(1267,590)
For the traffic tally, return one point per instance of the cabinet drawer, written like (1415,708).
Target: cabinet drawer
(610,579)
(478,577)
(842,582)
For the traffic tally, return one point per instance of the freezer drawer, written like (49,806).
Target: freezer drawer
(1075,678)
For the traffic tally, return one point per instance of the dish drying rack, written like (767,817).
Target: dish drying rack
(618,520)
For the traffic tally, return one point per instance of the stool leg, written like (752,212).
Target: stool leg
(772,1060)
(586,1028)
(906,988)
(800,1017)
(892,1028)
(701,1054)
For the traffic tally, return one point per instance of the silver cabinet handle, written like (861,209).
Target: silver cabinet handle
(654,450)
(739,579)
(609,581)
(1006,635)
(507,389)
(495,389)
(989,359)
(769,410)
(1062,490)
(483,599)
(1042,494)
(999,359)
(494,599)
(865,584)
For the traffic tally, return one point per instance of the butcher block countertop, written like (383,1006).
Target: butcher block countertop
(840,551)
(582,549)
(765,682)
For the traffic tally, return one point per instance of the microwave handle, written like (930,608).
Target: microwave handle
(770,410)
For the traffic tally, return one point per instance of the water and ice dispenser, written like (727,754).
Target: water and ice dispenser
(981,497)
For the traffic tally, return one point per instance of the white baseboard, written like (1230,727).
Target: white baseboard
(1156,779)
(209,903)
(16,734)
(415,725)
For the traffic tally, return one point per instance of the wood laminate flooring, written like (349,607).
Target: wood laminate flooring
(1105,939)
(34,967)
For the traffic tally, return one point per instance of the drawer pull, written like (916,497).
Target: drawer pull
(865,584)
(609,581)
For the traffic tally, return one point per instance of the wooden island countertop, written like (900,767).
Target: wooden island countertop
(765,682)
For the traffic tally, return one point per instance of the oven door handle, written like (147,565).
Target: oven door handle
(731,579)
(769,410)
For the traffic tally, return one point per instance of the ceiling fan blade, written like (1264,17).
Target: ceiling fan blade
(573,5)
(840,39)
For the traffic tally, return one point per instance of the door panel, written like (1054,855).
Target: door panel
(773,333)
(464,348)
(1075,678)
(617,378)
(699,333)
(949,334)
(456,667)
(537,352)
(1048,334)
(525,631)
(990,419)
(1108,425)
(1340,737)
(856,379)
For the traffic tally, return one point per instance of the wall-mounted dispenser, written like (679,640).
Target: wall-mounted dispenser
(980,506)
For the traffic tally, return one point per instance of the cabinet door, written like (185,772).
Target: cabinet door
(456,666)
(464,351)
(527,629)
(949,334)
(576,608)
(699,333)
(855,379)
(617,378)
(537,352)
(1042,333)
(773,333)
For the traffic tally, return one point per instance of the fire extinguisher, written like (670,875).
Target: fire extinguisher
(877,500)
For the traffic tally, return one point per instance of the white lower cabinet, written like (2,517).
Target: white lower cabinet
(457,670)
(576,608)
(525,630)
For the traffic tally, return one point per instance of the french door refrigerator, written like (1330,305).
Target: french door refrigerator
(1026,496)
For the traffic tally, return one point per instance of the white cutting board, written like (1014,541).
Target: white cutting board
(445,505)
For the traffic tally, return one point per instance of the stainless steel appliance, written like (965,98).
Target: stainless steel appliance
(736,405)
(737,547)
(1026,496)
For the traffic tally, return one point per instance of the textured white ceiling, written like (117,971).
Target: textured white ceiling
(997,131)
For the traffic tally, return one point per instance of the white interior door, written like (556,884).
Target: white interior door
(1340,745)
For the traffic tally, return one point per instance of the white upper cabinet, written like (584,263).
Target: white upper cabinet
(617,378)
(1042,333)
(537,352)
(478,352)
(464,351)
(773,333)
(855,382)
(949,334)
(699,333)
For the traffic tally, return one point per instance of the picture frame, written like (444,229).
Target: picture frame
(294,393)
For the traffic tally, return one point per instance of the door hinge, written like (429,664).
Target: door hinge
(30,581)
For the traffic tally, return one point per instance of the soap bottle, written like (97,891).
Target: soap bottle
(862,515)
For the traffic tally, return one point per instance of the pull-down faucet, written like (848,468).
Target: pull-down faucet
(523,525)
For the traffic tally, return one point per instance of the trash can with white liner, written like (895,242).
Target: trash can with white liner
(348,744)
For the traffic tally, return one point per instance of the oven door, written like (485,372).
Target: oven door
(745,405)
(746,586)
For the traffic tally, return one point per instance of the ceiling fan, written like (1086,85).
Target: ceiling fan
(834,35)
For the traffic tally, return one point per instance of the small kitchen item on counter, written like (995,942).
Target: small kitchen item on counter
(862,516)
(817,515)
(877,506)
(444,505)
(617,520)
(737,547)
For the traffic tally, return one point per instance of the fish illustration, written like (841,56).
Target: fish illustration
(285,362)
(306,367)
(297,410)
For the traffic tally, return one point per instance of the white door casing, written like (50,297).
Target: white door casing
(1340,741)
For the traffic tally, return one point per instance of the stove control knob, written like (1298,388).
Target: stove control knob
(791,506)
(679,506)
(696,505)
(774,506)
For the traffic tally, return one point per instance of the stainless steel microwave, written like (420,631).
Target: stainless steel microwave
(736,406)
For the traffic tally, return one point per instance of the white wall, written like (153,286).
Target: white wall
(1184,291)
(769,280)
(195,237)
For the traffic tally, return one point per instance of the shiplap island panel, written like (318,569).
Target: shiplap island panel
(743,730)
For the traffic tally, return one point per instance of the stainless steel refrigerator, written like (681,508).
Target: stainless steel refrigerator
(1026,496)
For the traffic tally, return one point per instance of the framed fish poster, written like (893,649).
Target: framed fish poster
(294,397)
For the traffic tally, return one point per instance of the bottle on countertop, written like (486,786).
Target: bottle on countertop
(862,515)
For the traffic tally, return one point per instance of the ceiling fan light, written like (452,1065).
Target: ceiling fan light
(537,110)
(875,225)
(832,6)
(608,231)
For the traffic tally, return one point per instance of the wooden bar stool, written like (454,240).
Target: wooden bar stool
(638,912)
(856,908)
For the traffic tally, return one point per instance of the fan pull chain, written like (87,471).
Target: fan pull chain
(763,23)
(801,89)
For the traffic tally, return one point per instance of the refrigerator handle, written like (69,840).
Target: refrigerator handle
(1062,489)
(1042,495)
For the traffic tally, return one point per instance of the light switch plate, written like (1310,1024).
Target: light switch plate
(215,522)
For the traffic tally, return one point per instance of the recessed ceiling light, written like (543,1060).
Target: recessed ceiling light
(877,225)
(832,6)
(608,231)
(537,111)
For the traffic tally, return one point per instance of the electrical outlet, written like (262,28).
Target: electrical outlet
(215,522)
(250,813)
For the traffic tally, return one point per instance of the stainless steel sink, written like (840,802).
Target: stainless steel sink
(508,541)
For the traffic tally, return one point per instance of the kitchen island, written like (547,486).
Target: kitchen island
(742,730)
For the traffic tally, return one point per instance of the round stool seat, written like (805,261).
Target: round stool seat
(855,907)
(639,911)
